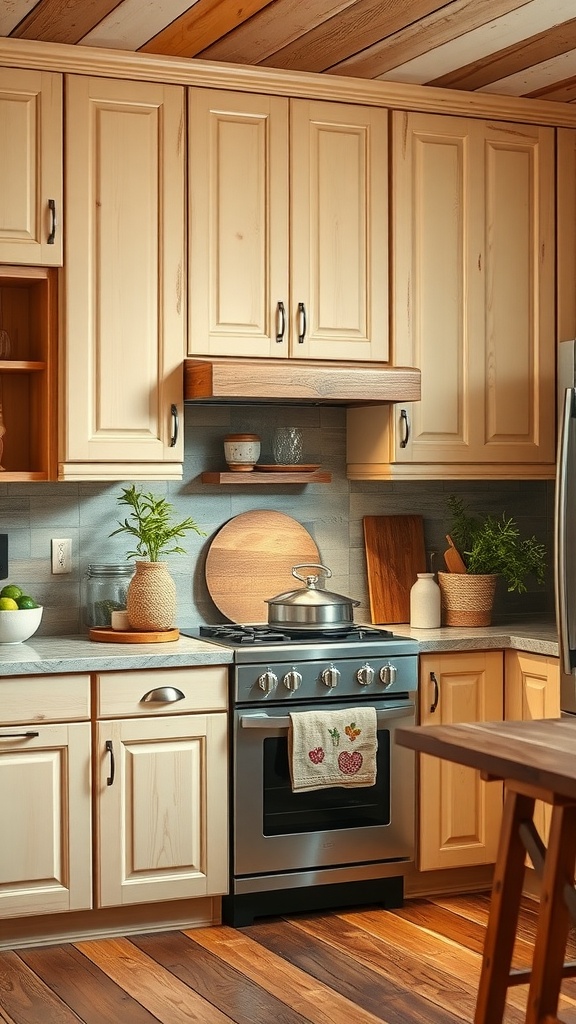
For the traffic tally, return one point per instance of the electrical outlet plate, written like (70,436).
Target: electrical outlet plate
(61,556)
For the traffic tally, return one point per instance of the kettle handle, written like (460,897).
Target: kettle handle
(310,580)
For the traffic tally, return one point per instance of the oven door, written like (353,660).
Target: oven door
(276,830)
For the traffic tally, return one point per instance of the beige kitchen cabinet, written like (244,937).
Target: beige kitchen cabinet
(472,306)
(459,814)
(532,692)
(161,785)
(31,167)
(288,239)
(124,307)
(45,795)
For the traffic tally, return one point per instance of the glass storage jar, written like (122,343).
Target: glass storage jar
(105,590)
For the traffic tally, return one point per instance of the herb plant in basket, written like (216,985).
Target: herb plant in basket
(490,546)
(151,598)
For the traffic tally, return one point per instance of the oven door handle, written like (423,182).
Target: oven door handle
(284,721)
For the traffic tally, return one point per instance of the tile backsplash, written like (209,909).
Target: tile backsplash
(32,514)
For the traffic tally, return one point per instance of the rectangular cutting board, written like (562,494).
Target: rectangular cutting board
(395,554)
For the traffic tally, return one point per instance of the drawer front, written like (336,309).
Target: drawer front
(162,691)
(44,698)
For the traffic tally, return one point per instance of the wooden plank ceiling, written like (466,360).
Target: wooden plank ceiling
(511,47)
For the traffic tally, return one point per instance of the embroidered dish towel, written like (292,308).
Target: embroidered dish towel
(332,748)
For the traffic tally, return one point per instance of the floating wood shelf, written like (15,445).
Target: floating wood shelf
(319,476)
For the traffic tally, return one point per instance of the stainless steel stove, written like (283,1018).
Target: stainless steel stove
(334,846)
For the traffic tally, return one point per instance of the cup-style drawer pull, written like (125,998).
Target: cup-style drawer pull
(163,695)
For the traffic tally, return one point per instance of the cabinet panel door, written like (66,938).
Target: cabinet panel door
(518,294)
(162,822)
(339,231)
(45,798)
(31,133)
(533,692)
(459,814)
(473,287)
(238,236)
(125,203)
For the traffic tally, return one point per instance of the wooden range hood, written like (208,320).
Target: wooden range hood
(299,381)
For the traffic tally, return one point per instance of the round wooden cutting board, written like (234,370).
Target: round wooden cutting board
(251,559)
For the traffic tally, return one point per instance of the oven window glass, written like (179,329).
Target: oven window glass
(324,809)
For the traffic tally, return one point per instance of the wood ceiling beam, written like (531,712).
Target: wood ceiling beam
(63,21)
(201,25)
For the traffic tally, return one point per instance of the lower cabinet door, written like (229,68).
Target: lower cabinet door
(162,808)
(45,810)
(460,814)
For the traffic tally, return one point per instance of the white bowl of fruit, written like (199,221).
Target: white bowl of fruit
(20,615)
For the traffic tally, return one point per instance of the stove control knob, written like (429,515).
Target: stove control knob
(267,681)
(292,680)
(330,676)
(388,674)
(365,675)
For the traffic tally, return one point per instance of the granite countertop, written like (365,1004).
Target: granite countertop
(55,654)
(537,637)
(50,655)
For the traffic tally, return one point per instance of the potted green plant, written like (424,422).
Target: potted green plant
(490,546)
(151,598)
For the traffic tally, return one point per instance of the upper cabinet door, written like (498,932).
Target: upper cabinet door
(125,303)
(31,167)
(238,210)
(473,243)
(339,231)
(288,240)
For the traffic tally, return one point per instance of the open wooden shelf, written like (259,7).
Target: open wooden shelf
(318,476)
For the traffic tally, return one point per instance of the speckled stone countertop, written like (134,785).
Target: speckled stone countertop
(56,654)
(50,655)
(534,637)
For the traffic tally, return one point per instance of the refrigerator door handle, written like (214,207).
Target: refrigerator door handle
(560,527)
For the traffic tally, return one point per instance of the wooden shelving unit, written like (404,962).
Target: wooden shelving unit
(28,390)
(318,476)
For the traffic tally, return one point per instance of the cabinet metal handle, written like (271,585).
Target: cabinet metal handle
(174,435)
(282,316)
(405,424)
(18,735)
(110,749)
(164,695)
(52,208)
(434,703)
(302,315)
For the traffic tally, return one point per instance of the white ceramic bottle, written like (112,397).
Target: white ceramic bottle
(425,608)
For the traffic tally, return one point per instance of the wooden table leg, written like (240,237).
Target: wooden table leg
(504,910)
(553,917)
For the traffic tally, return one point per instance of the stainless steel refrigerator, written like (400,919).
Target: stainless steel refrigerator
(565,526)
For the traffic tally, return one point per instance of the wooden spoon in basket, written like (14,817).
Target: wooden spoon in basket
(453,558)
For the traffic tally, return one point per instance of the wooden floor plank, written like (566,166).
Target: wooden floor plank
(84,987)
(166,997)
(318,1003)
(25,998)
(466,932)
(214,979)
(449,990)
(343,972)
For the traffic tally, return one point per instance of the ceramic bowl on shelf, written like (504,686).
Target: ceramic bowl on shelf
(19,624)
(241,452)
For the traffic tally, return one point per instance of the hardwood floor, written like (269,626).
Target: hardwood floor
(415,965)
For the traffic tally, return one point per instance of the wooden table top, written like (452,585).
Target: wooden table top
(541,753)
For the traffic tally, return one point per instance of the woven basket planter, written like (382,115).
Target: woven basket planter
(151,597)
(466,599)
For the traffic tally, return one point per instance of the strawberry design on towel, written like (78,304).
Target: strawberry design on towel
(316,755)
(349,764)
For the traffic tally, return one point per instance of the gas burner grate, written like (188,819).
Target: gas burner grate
(263,634)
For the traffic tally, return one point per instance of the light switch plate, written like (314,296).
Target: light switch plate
(61,556)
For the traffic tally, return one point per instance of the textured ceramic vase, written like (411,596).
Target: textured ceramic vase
(425,603)
(151,598)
